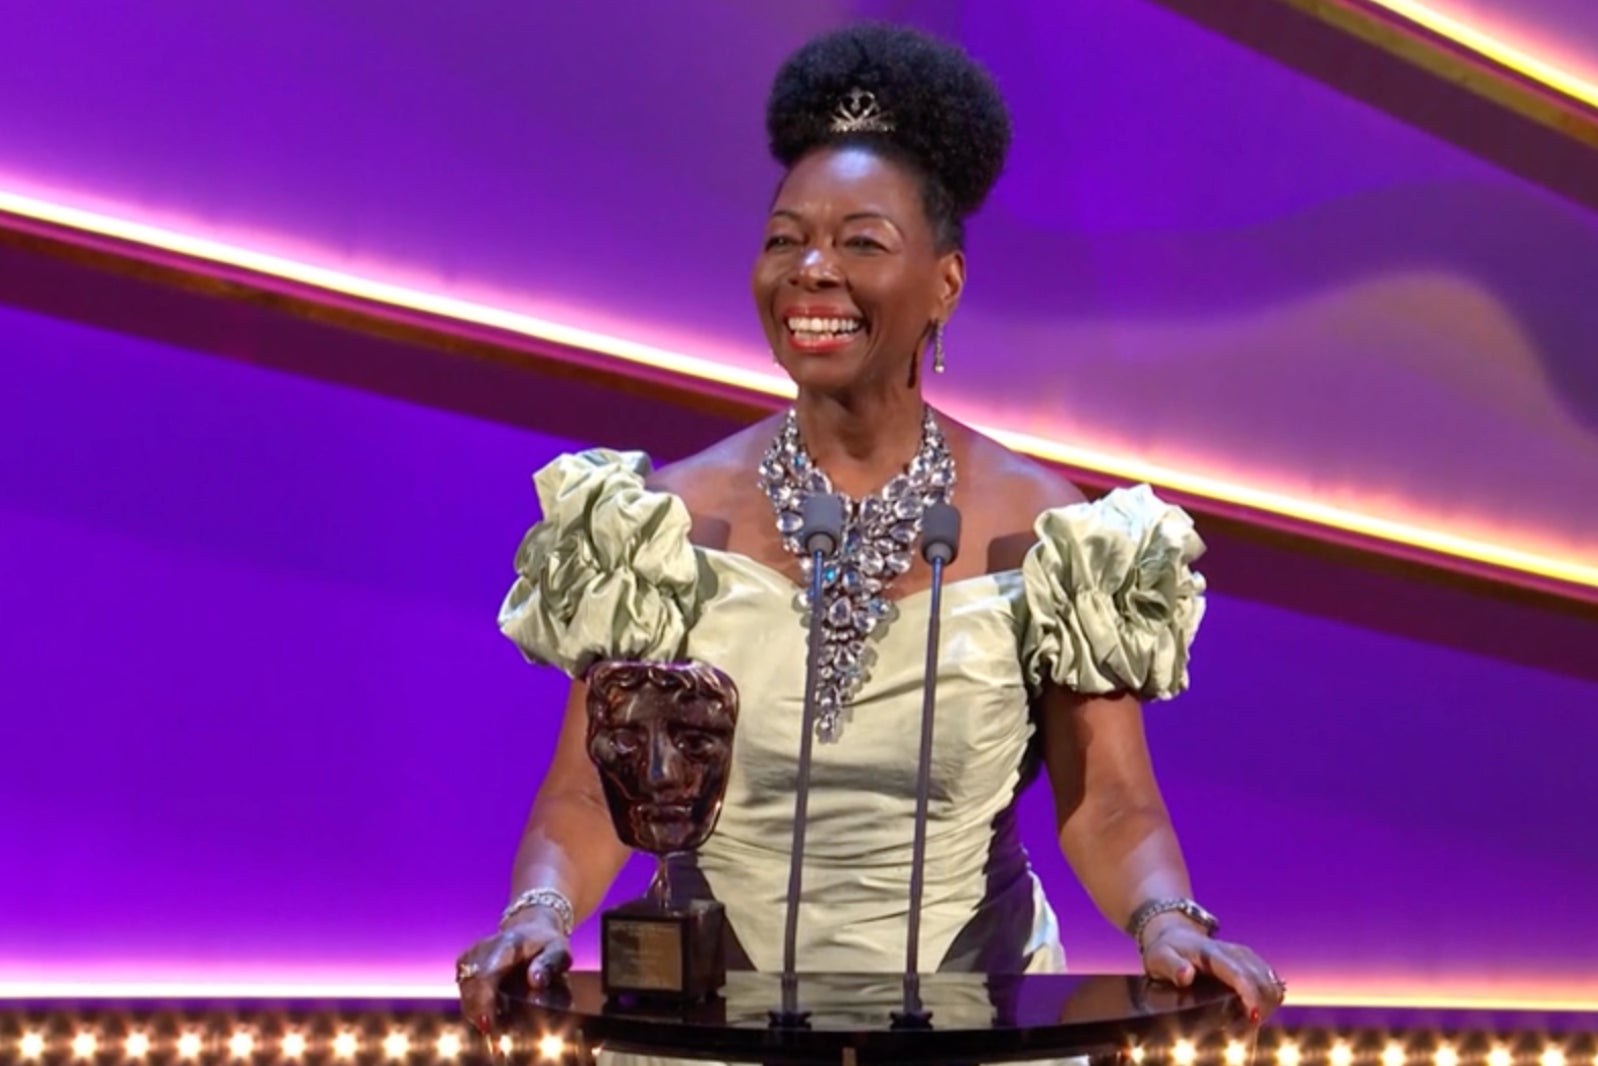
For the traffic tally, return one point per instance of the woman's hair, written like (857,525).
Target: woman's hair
(921,101)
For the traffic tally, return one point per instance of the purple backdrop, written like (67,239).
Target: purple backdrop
(1198,257)
(259,724)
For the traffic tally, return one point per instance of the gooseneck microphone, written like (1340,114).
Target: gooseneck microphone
(940,544)
(820,534)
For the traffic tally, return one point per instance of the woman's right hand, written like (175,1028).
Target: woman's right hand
(531,939)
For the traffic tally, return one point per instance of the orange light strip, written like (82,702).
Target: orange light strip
(1490,47)
(1432,541)
(355,989)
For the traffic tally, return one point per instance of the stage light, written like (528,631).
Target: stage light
(293,1045)
(1341,1054)
(1236,1053)
(1393,1054)
(1136,1054)
(1552,1056)
(1500,1056)
(1184,1053)
(551,1046)
(396,1045)
(506,1044)
(344,1045)
(1446,1055)
(449,1045)
(1435,538)
(31,1046)
(84,1046)
(1288,1054)
(240,1045)
(137,1045)
(1498,51)
(189,1046)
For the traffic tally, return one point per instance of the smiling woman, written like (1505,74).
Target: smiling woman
(1065,615)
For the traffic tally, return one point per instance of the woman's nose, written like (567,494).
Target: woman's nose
(818,268)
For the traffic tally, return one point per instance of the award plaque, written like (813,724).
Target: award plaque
(660,735)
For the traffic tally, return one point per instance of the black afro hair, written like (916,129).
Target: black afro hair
(949,121)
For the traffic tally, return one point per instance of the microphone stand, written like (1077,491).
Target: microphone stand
(939,545)
(820,534)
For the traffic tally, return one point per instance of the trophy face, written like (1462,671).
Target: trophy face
(661,737)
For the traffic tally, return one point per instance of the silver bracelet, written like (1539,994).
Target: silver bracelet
(1153,908)
(554,899)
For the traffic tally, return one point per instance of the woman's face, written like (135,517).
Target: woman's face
(849,280)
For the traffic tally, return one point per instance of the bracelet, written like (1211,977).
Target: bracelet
(554,899)
(1153,908)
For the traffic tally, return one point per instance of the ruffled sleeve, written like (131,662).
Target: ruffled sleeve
(1112,605)
(609,572)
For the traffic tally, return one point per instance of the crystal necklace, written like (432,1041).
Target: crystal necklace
(879,533)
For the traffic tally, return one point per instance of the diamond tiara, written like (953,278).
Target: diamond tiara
(859,112)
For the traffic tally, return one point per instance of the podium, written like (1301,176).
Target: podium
(976,1018)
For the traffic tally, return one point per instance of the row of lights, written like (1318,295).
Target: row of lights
(1469,1051)
(243,1045)
(1276,1047)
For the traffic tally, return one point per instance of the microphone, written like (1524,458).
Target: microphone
(820,534)
(940,545)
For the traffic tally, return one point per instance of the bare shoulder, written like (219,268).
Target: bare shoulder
(1002,494)
(717,483)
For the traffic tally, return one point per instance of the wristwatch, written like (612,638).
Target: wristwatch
(1148,911)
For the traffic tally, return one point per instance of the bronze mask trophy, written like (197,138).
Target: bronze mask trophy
(660,735)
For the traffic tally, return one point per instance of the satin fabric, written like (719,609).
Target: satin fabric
(1104,601)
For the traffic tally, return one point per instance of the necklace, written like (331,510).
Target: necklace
(879,532)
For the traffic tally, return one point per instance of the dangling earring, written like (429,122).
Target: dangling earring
(937,347)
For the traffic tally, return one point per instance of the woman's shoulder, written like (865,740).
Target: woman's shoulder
(1005,492)
(717,483)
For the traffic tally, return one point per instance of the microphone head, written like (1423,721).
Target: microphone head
(821,523)
(940,533)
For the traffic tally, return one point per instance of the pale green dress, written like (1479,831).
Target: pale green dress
(1104,601)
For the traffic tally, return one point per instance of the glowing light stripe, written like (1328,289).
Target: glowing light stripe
(72,991)
(1490,47)
(385,293)
(219,990)
(1307,511)
(380,292)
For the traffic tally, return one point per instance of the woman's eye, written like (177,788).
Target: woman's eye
(778,240)
(867,243)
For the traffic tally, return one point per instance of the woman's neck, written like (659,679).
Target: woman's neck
(861,443)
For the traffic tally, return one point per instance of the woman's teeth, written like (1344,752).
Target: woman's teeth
(822,328)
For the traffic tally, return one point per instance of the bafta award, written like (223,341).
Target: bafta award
(660,735)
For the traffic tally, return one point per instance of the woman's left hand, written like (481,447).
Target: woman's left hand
(1180,951)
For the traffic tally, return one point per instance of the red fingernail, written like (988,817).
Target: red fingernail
(1254,1015)
(482,1024)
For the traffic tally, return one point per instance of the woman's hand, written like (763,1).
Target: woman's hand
(533,939)
(1179,951)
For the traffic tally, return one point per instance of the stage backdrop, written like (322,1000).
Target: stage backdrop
(259,725)
(1197,257)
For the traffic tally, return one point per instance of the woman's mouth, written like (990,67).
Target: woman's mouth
(815,334)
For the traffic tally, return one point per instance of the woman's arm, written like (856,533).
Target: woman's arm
(1111,820)
(1117,835)
(570,845)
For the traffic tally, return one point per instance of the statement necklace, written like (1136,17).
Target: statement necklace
(879,534)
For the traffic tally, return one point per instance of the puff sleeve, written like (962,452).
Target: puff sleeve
(1112,604)
(609,572)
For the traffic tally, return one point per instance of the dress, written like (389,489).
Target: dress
(1105,600)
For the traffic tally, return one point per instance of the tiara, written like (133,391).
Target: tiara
(859,112)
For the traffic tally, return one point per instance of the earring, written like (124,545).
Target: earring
(937,348)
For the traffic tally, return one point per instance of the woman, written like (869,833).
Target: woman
(1060,616)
